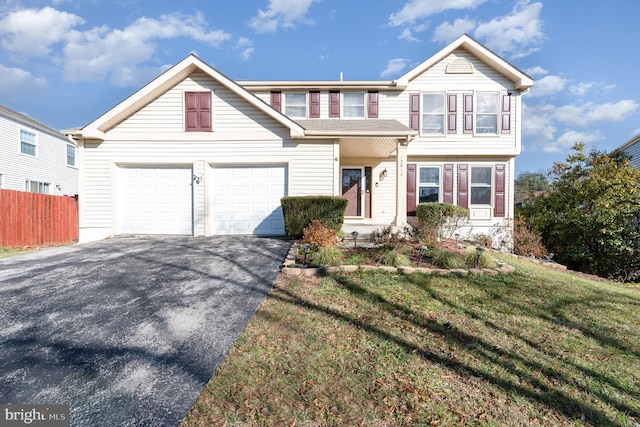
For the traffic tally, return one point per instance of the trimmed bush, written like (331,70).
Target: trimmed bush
(319,235)
(300,210)
(440,219)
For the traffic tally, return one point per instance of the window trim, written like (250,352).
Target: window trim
(40,184)
(491,186)
(440,184)
(343,105)
(443,114)
(304,104)
(34,144)
(75,156)
(496,114)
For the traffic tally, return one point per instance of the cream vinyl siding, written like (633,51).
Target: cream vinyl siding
(49,165)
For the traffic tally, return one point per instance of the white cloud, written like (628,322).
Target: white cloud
(17,83)
(407,34)
(31,32)
(281,13)
(517,34)
(394,67)
(416,10)
(548,85)
(246,48)
(570,137)
(536,71)
(447,32)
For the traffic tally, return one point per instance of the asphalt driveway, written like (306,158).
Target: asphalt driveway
(127,331)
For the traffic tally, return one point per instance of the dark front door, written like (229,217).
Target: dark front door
(352,190)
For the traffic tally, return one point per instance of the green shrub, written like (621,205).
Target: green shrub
(319,235)
(395,258)
(446,259)
(327,256)
(299,211)
(440,219)
(471,259)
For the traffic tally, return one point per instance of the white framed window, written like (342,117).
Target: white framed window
(353,105)
(27,142)
(36,187)
(428,184)
(433,113)
(71,155)
(487,104)
(295,104)
(481,185)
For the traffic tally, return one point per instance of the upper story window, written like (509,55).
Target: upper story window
(198,112)
(480,185)
(428,184)
(433,113)
(71,155)
(487,104)
(27,142)
(295,104)
(353,105)
(36,187)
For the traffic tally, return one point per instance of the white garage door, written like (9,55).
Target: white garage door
(155,200)
(246,200)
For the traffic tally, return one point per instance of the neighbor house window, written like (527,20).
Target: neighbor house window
(27,143)
(198,112)
(71,155)
(353,105)
(433,113)
(429,184)
(481,185)
(295,104)
(36,187)
(487,112)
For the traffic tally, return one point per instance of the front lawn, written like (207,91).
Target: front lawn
(535,347)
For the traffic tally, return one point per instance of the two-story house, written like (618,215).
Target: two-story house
(194,152)
(632,149)
(34,157)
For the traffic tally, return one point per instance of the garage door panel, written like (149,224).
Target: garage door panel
(246,200)
(156,200)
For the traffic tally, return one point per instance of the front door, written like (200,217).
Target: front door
(352,190)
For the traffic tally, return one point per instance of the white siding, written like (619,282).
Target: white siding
(48,165)
(241,135)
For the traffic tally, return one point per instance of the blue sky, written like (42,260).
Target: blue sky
(66,62)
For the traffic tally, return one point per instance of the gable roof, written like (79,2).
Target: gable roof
(628,144)
(28,121)
(521,80)
(164,82)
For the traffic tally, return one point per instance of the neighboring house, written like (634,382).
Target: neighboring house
(194,152)
(632,148)
(34,157)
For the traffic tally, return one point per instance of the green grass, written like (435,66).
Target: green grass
(6,252)
(536,347)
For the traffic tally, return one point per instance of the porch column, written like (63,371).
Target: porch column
(401,184)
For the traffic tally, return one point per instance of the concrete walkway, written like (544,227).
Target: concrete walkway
(127,331)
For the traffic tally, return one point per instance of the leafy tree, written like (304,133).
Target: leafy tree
(530,182)
(590,217)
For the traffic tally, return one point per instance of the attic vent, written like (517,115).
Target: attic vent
(460,66)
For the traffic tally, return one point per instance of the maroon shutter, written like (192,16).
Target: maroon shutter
(448,184)
(468,113)
(411,187)
(276,101)
(452,101)
(506,113)
(197,111)
(463,186)
(499,201)
(314,105)
(334,104)
(372,105)
(414,111)
(204,113)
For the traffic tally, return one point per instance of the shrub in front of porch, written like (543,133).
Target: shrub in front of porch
(299,211)
(440,220)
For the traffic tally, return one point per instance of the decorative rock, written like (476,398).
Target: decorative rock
(288,271)
(329,269)
(424,270)
(388,268)
(348,268)
(441,271)
(367,267)
(310,271)
(406,270)
(476,271)
(490,271)
(459,271)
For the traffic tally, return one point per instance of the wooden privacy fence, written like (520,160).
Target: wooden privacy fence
(37,219)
